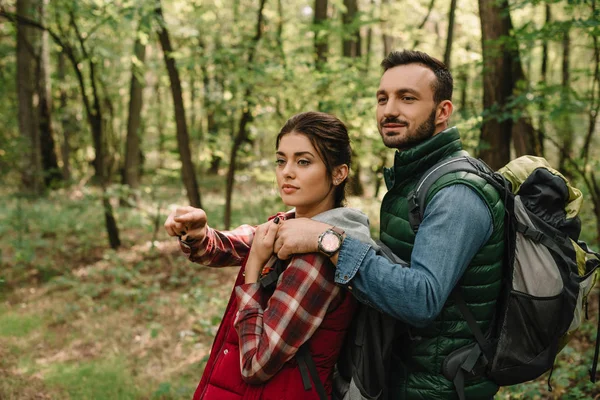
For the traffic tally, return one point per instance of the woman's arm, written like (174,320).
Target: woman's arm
(220,249)
(271,336)
(205,245)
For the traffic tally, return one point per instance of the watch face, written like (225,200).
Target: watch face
(330,242)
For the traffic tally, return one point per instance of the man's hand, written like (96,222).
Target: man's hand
(188,222)
(298,236)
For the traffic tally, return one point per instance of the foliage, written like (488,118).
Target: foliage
(141,316)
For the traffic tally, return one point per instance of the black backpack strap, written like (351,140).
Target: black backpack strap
(270,280)
(595,362)
(418,197)
(307,366)
(468,316)
(305,362)
(594,265)
(479,350)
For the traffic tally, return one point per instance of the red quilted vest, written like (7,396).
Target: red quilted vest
(222,378)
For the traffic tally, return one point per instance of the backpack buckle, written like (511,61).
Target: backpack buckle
(530,232)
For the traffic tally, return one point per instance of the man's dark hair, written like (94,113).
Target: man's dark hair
(442,87)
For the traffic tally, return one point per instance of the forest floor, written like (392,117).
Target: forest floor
(81,321)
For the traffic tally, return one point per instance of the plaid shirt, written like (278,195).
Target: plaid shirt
(271,328)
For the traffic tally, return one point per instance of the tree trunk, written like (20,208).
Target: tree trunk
(52,173)
(351,42)
(212,125)
(450,36)
(131,174)
(497,82)
(523,133)
(93,111)
(65,119)
(321,41)
(543,79)
(160,125)
(355,186)
(280,19)
(242,133)
(388,40)
(183,140)
(565,127)
(422,24)
(31,163)
(369,46)
(351,49)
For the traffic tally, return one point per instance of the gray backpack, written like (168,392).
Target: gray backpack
(362,370)
(548,273)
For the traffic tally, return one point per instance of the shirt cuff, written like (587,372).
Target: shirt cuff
(196,249)
(350,258)
(249,296)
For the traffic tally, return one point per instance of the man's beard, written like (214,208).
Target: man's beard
(411,138)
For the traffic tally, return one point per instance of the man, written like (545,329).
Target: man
(458,244)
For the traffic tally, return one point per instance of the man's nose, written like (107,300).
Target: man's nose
(392,109)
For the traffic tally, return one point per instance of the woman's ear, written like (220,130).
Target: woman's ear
(339,174)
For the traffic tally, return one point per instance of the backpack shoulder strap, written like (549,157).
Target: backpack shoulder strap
(307,366)
(417,197)
(305,361)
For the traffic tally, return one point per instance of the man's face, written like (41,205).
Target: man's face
(406,111)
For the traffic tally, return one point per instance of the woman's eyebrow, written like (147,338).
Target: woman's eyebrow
(297,154)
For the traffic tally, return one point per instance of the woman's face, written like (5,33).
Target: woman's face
(302,177)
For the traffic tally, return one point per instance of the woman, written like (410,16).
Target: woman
(254,353)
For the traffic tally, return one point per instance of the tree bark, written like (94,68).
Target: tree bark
(321,36)
(52,173)
(183,140)
(65,119)
(131,174)
(31,163)
(523,133)
(543,79)
(497,82)
(565,127)
(388,40)
(351,49)
(160,125)
(212,125)
(242,132)
(351,42)
(450,36)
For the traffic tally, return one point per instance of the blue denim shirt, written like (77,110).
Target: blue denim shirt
(456,223)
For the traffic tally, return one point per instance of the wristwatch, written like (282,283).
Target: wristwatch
(330,241)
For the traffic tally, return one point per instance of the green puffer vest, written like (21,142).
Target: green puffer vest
(420,352)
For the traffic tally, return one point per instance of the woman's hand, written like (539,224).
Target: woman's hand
(262,249)
(187,222)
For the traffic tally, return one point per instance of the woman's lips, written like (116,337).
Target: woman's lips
(289,189)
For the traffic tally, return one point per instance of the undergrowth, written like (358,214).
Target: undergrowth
(79,320)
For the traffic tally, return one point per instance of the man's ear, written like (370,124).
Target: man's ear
(339,174)
(444,111)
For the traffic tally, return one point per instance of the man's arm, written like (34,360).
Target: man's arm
(456,224)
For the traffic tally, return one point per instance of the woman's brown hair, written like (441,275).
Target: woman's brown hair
(329,137)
